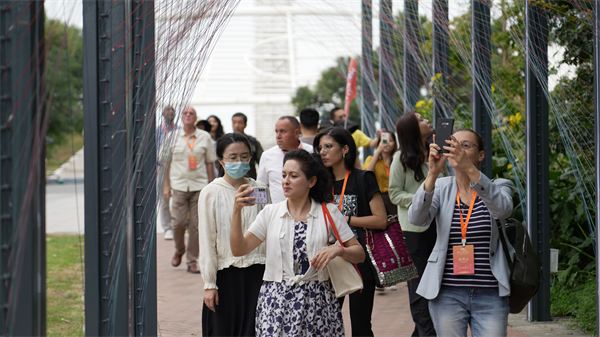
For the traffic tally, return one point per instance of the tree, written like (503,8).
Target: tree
(330,91)
(64,80)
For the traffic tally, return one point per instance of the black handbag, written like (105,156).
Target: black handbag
(525,269)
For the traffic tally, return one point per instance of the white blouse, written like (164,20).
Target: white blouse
(215,208)
(275,225)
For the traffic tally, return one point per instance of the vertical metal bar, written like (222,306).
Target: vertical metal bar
(386,71)
(537,152)
(482,81)
(440,56)
(93,232)
(130,157)
(411,47)
(22,254)
(40,203)
(367,79)
(538,213)
(597,136)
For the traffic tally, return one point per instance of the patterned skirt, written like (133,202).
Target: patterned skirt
(287,309)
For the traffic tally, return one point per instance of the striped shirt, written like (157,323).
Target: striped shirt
(479,233)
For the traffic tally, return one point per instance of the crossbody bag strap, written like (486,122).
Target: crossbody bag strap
(337,236)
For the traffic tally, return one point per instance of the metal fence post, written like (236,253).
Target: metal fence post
(482,82)
(440,55)
(411,47)
(538,212)
(22,174)
(120,167)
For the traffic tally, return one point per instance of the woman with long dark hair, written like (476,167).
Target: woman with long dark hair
(356,195)
(407,173)
(380,163)
(467,278)
(296,297)
(231,284)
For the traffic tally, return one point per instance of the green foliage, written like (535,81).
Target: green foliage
(330,91)
(63,84)
(577,301)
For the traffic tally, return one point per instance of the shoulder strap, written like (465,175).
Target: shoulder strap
(504,240)
(328,217)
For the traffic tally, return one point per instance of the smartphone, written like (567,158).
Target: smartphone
(443,131)
(260,194)
(385,137)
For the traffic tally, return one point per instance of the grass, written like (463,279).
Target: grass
(578,302)
(58,154)
(64,305)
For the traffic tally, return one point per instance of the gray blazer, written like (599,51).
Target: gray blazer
(440,203)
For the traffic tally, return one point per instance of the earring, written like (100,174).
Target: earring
(344,155)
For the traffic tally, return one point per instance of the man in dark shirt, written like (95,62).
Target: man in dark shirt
(239,121)
(309,125)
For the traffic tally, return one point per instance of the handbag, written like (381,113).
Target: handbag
(526,267)
(389,255)
(344,275)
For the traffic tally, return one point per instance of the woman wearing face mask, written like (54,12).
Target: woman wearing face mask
(231,284)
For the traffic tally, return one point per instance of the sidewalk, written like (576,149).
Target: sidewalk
(180,297)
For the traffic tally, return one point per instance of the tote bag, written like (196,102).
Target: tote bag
(344,275)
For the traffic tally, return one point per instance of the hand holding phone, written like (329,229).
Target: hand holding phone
(385,137)
(260,194)
(443,131)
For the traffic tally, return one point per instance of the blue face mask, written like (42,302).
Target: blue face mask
(237,169)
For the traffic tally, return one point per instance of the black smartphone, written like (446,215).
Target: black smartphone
(443,131)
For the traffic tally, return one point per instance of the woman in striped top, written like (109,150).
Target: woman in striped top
(467,275)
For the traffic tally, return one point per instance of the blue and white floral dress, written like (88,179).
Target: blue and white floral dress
(287,309)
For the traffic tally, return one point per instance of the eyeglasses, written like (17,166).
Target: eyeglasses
(244,157)
(468,145)
(188,113)
(326,147)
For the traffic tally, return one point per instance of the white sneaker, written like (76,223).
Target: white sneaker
(169,234)
(391,288)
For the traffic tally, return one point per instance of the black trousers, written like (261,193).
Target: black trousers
(361,308)
(419,247)
(238,296)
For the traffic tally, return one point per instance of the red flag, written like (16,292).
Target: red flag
(350,86)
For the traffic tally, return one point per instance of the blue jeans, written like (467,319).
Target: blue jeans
(456,307)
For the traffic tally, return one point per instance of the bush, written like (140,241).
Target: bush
(577,301)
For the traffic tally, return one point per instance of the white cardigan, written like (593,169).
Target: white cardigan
(215,208)
(275,225)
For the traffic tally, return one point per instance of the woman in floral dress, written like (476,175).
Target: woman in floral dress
(297,298)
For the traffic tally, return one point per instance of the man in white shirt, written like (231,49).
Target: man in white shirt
(190,169)
(287,129)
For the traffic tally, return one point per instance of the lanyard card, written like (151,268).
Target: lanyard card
(464,260)
(192,162)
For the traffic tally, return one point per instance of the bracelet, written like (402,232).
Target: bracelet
(343,250)
(349,218)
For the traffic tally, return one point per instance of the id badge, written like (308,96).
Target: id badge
(464,260)
(192,162)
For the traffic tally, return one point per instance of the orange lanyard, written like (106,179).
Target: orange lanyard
(190,146)
(343,191)
(386,169)
(463,224)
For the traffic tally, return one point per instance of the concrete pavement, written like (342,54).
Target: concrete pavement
(180,297)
